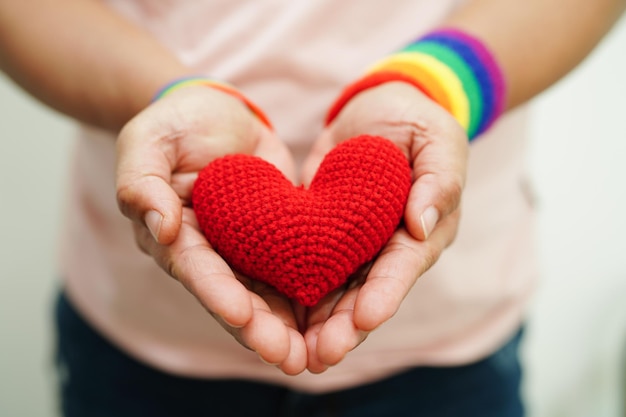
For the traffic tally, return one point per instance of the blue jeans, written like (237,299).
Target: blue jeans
(99,380)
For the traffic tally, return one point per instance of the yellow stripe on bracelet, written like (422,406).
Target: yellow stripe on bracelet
(429,83)
(438,79)
(452,67)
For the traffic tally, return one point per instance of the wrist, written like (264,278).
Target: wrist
(195,81)
(452,68)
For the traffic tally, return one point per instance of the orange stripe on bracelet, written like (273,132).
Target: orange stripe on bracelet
(430,84)
(436,76)
(453,68)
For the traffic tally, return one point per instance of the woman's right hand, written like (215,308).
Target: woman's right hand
(159,154)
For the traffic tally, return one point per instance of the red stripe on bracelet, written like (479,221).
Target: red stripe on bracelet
(369,81)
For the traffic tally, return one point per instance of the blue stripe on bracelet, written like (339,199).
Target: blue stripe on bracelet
(482,75)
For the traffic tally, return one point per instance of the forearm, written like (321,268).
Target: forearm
(537,42)
(82,59)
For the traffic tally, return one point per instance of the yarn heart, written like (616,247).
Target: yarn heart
(304,242)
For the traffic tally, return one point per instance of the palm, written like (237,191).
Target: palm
(158,162)
(436,147)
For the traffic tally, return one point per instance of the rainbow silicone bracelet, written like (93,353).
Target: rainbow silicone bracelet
(451,67)
(179,83)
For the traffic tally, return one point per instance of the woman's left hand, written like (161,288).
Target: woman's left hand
(436,147)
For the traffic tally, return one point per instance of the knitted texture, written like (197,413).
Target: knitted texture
(304,242)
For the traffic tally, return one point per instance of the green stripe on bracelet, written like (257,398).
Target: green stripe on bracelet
(453,68)
(463,72)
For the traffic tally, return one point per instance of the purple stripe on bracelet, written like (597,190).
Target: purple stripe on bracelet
(479,70)
(486,69)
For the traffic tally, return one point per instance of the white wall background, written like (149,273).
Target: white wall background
(34,151)
(576,339)
(576,345)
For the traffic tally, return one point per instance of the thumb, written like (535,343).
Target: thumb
(143,185)
(321,147)
(439,177)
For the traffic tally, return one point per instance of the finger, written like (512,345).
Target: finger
(248,317)
(320,148)
(276,302)
(272,335)
(243,314)
(314,364)
(338,336)
(267,335)
(336,298)
(439,167)
(324,308)
(192,261)
(335,335)
(283,346)
(400,264)
(272,150)
(316,317)
(282,308)
(143,238)
(182,184)
(296,361)
(143,178)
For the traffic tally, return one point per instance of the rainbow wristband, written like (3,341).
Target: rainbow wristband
(179,83)
(451,67)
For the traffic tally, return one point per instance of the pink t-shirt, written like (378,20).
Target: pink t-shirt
(292,58)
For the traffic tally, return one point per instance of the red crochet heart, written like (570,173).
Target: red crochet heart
(304,242)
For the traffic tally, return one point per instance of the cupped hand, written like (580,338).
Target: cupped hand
(436,147)
(159,154)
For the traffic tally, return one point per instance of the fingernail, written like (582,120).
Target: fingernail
(429,219)
(153,220)
(266,362)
